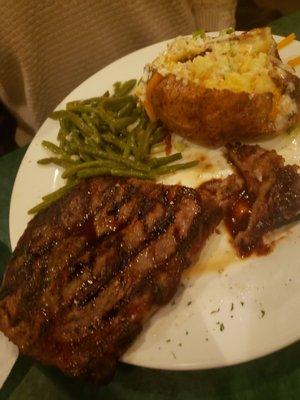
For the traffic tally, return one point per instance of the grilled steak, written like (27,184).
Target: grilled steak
(92,267)
(270,196)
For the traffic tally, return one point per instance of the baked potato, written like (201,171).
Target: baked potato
(214,91)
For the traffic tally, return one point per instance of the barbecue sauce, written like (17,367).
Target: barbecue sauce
(87,230)
(237,216)
(168,144)
(236,220)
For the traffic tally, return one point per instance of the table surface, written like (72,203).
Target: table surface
(276,376)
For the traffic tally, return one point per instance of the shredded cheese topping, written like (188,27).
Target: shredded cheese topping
(285,41)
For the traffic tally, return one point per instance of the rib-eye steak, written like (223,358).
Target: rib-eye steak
(269,199)
(92,267)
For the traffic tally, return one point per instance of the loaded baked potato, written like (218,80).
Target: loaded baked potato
(217,90)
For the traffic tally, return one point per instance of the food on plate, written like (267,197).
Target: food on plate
(92,267)
(107,135)
(224,89)
(294,62)
(285,41)
(270,197)
(263,195)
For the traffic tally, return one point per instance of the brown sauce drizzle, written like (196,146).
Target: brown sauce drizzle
(236,219)
(237,216)
(87,230)
(168,144)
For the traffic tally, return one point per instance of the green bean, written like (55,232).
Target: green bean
(71,180)
(127,162)
(72,105)
(139,135)
(68,149)
(95,152)
(117,102)
(95,120)
(58,114)
(158,135)
(81,108)
(86,157)
(146,140)
(90,164)
(75,119)
(89,172)
(130,173)
(105,116)
(126,151)
(128,147)
(63,132)
(76,138)
(111,121)
(41,206)
(126,110)
(110,135)
(50,198)
(126,87)
(80,124)
(95,135)
(62,162)
(160,161)
(117,86)
(110,138)
(53,147)
(172,168)
(132,144)
(143,141)
(58,193)
(121,123)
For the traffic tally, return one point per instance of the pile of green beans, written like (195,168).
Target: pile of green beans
(107,135)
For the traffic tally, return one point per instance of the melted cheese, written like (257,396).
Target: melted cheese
(237,63)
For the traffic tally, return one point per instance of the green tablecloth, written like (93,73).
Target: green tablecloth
(273,377)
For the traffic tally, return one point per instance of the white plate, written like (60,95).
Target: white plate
(257,301)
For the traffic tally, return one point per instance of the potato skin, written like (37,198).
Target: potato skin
(210,116)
